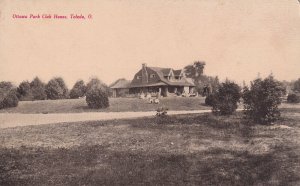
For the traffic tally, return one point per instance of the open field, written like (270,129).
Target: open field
(116,105)
(196,149)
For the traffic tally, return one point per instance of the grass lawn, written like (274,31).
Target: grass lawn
(116,105)
(197,149)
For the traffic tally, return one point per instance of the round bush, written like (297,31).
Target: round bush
(225,100)
(10,100)
(293,98)
(262,99)
(96,98)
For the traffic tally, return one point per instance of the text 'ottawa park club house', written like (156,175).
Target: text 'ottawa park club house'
(51,16)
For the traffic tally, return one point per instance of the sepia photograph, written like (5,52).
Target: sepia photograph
(139,92)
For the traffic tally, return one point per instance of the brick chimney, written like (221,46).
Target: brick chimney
(144,73)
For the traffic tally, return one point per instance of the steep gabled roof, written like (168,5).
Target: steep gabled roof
(177,72)
(161,79)
(162,72)
(121,83)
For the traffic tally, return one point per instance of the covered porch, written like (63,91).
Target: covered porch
(162,90)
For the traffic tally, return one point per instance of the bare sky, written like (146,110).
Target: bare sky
(237,39)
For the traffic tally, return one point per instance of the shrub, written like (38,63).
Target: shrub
(293,98)
(162,111)
(97,98)
(262,99)
(38,89)
(10,100)
(78,90)
(209,100)
(225,100)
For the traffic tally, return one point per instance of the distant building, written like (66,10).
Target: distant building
(120,88)
(155,81)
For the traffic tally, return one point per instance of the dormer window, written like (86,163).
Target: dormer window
(152,76)
(138,77)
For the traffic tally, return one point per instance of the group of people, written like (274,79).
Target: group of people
(149,97)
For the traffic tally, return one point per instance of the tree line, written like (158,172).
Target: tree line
(260,100)
(53,90)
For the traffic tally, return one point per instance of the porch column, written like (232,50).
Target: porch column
(159,92)
(114,93)
(167,91)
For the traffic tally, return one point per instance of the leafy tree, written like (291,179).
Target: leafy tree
(195,70)
(24,91)
(225,100)
(56,89)
(53,90)
(8,95)
(204,84)
(78,90)
(38,89)
(10,100)
(296,86)
(5,87)
(262,99)
(63,86)
(96,98)
(95,83)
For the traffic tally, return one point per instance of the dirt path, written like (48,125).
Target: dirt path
(15,119)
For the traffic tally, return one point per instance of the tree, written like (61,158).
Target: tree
(204,84)
(225,100)
(195,70)
(63,86)
(5,87)
(56,89)
(96,98)
(10,100)
(261,100)
(78,90)
(95,83)
(296,86)
(53,90)
(38,89)
(8,95)
(24,91)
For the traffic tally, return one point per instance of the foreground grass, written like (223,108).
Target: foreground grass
(181,150)
(116,105)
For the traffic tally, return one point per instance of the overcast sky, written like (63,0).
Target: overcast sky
(237,39)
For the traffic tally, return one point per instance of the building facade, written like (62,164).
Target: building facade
(158,82)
